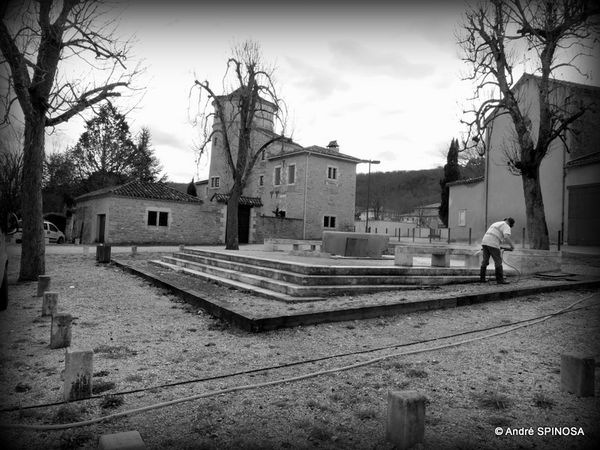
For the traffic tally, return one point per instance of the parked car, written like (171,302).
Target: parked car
(3,272)
(53,234)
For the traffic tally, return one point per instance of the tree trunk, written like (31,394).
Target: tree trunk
(232,241)
(537,229)
(33,261)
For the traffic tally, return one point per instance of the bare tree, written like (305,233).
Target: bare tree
(237,120)
(11,169)
(552,35)
(36,39)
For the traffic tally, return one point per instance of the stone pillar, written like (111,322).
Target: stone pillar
(181,247)
(402,257)
(405,419)
(43,285)
(86,250)
(127,440)
(50,303)
(577,375)
(440,260)
(103,253)
(79,369)
(60,334)
(133,250)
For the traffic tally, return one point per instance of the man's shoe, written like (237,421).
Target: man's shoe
(500,276)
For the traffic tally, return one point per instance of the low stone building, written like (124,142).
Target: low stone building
(146,213)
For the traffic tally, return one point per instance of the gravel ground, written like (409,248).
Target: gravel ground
(144,338)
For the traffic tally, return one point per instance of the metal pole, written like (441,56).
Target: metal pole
(368,197)
(413,235)
(448,235)
(558,242)
(469,236)
(523,237)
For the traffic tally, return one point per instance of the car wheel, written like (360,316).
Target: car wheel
(4,291)
(60,240)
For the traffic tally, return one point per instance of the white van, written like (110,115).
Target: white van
(54,235)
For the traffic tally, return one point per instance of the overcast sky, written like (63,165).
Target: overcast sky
(382,78)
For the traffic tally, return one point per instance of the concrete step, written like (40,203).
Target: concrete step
(415,276)
(412,276)
(242,262)
(265,283)
(234,284)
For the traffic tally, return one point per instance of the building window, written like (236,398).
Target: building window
(277,176)
(163,219)
(215,182)
(329,221)
(462,218)
(332,173)
(261,180)
(152,215)
(291,174)
(158,219)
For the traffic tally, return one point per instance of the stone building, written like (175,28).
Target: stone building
(292,192)
(144,213)
(569,173)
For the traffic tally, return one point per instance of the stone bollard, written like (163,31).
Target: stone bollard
(133,250)
(103,253)
(60,334)
(79,369)
(127,440)
(405,419)
(50,303)
(181,247)
(43,285)
(86,250)
(577,375)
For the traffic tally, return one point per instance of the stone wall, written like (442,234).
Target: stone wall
(275,227)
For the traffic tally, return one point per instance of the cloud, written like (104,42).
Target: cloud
(160,137)
(318,81)
(396,136)
(350,55)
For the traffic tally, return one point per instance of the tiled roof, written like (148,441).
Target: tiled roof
(584,160)
(315,149)
(139,189)
(244,201)
(465,181)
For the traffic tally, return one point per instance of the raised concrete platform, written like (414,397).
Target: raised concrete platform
(312,310)
(297,281)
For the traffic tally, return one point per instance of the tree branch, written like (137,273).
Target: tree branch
(97,95)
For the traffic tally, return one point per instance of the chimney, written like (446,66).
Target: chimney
(333,145)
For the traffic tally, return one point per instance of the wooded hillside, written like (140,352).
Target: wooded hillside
(403,190)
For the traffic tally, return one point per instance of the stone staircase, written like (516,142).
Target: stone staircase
(294,281)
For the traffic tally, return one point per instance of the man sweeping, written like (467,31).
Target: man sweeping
(497,233)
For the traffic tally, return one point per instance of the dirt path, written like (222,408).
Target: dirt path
(144,338)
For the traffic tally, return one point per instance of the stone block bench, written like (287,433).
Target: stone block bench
(295,245)
(351,244)
(440,255)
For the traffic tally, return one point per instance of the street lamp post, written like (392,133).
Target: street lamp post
(370,161)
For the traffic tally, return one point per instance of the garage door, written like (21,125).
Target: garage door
(584,215)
